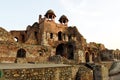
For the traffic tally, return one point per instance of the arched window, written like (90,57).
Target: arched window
(50,16)
(35,33)
(87,57)
(51,35)
(93,56)
(16,39)
(21,53)
(60,35)
(69,37)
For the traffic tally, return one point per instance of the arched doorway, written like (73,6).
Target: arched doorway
(87,57)
(70,51)
(60,35)
(60,50)
(21,53)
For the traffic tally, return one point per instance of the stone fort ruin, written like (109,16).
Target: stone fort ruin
(49,42)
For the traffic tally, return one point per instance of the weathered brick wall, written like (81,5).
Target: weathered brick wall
(84,73)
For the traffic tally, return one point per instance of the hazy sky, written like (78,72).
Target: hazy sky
(96,20)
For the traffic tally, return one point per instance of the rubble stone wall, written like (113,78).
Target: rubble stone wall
(56,73)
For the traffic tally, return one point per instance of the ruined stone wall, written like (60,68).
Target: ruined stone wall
(34,53)
(20,36)
(79,56)
(105,72)
(116,54)
(51,29)
(29,36)
(50,73)
(84,73)
(41,35)
(32,34)
(106,55)
(5,36)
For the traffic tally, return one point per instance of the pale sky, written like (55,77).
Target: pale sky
(97,20)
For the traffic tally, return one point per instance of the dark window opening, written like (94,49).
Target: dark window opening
(35,33)
(21,53)
(70,52)
(69,37)
(50,16)
(40,54)
(64,36)
(60,50)
(23,38)
(87,57)
(51,35)
(60,35)
(64,21)
(93,56)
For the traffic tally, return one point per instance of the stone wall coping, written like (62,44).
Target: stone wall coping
(19,66)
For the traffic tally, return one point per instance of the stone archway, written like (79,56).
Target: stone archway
(70,51)
(21,53)
(87,57)
(60,50)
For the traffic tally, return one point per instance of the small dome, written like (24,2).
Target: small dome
(50,12)
(63,18)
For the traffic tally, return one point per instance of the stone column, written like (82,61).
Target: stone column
(44,40)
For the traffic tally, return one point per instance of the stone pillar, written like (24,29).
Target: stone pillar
(56,74)
(79,57)
(97,73)
(55,37)
(104,73)
(91,58)
(44,40)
